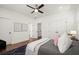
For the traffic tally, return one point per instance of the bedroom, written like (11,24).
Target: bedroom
(20,28)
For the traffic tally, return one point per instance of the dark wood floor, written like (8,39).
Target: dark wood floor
(17,45)
(13,46)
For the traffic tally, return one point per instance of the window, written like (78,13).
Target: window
(19,27)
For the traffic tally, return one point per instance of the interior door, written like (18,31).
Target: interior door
(5,30)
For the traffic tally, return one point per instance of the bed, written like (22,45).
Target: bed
(46,47)
(33,47)
(49,49)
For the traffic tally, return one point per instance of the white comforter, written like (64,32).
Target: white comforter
(32,48)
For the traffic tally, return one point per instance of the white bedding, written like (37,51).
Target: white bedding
(32,48)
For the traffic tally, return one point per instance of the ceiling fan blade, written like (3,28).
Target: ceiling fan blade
(30,7)
(40,11)
(41,6)
(32,12)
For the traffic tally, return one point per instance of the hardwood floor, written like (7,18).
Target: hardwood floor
(17,45)
(13,46)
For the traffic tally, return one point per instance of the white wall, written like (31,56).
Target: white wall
(61,21)
(5,28)
(57,22)
(77,20)
(18,18)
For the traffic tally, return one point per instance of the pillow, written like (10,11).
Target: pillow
(64,43)
(55,40)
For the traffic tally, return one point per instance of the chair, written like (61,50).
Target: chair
(2,44)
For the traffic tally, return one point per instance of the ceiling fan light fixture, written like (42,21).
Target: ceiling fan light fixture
(36,10)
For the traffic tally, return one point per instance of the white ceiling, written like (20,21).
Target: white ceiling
(48,9)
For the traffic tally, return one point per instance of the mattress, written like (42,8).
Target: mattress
(49,49)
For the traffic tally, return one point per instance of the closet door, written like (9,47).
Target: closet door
(5,30)
(32,30)
(35,30)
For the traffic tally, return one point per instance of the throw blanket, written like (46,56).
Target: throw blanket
(32,48)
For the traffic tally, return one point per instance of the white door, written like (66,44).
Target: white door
(33,30)
(5,30)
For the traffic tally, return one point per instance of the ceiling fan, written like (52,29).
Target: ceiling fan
(37,8)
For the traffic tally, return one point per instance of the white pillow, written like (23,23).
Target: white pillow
(64,43)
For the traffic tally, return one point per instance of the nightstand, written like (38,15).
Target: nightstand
(74,38)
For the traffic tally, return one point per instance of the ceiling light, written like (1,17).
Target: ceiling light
(36,10)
